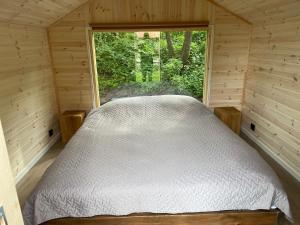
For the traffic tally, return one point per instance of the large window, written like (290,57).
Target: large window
(150,63)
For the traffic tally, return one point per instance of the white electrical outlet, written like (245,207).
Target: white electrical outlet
(2,217)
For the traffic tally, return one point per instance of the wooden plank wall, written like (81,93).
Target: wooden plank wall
(229,59)
(68,40)
(145,11)
(265,12)
(36,13)
(69,45)
(27,100)
(272,93)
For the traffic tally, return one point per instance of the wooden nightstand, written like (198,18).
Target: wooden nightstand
(230,116)
(70,122)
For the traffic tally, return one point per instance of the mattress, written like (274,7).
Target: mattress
(158,154)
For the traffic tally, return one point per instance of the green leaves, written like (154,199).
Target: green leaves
(188,78)
(115,56)
(123,58)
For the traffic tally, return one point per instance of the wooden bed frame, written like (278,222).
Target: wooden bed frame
(259,217)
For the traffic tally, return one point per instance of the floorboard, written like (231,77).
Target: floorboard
(291,185)
(30,180)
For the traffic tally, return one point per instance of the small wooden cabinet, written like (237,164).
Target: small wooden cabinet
(70,122)
(230,116)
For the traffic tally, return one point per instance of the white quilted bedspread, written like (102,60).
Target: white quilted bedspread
(160,154)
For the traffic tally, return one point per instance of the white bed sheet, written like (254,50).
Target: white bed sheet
(159,154)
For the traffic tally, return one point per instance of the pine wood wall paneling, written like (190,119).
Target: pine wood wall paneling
(154,11)
(69,45)
(263,12)
(229,59)
(149,11)
(54,77)
(36,13)
(70,54)
(27,100)
(272,92)
(93,67)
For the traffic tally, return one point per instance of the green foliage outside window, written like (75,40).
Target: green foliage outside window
(128,65)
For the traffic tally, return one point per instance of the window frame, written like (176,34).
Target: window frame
(187,26)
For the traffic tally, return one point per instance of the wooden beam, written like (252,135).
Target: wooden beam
(225,218)
(149,26)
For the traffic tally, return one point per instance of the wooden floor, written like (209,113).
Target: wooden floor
(28,183)
(292,187)
(290,184)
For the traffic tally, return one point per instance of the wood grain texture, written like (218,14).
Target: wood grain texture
(224,218)
(230,51)
(272,93)
(143,11)
(37,13)
(69,40)
(230,116)
(27,99)
(46,12)
(263,12)
(70,122)
(8,194)
(69,44)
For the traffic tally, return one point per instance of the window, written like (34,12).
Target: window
(150,63)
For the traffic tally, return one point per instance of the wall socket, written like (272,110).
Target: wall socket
(50,132)
(3,220)
(252,126)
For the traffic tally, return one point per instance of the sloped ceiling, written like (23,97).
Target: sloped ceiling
(36,12)
(45,12)
(263,11)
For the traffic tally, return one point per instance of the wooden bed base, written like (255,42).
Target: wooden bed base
(259,217)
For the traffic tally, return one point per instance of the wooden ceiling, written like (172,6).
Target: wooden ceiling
(45,12)
(263,11)
(36,12)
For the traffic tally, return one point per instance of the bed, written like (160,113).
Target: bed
(149,160)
